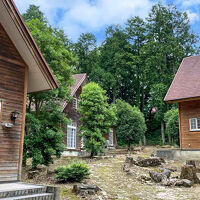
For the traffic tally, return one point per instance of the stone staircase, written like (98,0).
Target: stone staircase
(19,191)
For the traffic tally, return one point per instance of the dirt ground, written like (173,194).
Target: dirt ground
(108,175)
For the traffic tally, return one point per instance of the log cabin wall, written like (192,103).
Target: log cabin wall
(189,139)
(13,95)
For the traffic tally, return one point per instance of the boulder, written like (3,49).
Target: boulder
(184,183)
(128,163)
(189,172)
(191,162)
(160,177)
(147,162)
(84,189)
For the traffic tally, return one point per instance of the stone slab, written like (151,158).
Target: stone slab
(178,154)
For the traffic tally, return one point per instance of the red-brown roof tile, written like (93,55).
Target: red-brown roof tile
(79,79)
(186,83)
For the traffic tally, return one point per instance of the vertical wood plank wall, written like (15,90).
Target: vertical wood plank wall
(189,139)
(12,92)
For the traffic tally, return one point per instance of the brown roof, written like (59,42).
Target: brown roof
(79,79)
(186,83)
(10,14)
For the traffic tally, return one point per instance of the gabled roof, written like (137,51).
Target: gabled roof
(40,77)
(79,79)
(186,84)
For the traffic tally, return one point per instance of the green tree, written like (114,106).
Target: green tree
(130,125)
(172,125)
(96,116)
(87,53)
(45,134)
(169,40)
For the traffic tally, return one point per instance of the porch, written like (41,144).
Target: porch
(18,190)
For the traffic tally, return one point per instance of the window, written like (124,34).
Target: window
(82,142)
(75,103)
(194,124)
(71,136)
(111,137)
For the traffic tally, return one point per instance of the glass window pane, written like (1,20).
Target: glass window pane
(193,123)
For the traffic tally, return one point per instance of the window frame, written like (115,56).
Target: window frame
(196,124)
(72,128)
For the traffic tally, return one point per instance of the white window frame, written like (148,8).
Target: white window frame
(192,120)
(111,137)
(82,142)
(72,137)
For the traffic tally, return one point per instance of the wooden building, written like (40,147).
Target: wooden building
(74,144)
(185,90)
(22,70)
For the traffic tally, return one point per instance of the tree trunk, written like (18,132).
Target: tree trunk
(140,142)
(169,138)
(129,146)
(144,140)
(162,132)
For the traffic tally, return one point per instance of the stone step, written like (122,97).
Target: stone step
(14,192)
(41,196)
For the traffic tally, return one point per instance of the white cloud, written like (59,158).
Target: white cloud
(192,16)
(88,15)
(188,3)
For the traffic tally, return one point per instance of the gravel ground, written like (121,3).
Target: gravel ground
(108,175)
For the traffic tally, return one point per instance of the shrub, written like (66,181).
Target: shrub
(131,125)
(75,172)
(172,125)
(96,116)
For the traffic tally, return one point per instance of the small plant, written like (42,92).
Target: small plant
(74,172)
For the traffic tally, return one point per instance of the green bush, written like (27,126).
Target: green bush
(172,126)
(75,172)
(131,125)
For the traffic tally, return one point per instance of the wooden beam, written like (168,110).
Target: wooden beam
(23,123)
(10,60)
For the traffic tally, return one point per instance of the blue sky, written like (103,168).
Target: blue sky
(81,16)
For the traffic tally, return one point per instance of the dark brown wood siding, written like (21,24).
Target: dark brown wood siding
(189,139)
(12,82)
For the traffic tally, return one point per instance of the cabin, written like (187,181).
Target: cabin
(185,90)
(23,70)
(74,144)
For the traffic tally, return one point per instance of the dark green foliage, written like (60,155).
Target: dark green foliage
(44,136)
(172,125)
(75,172)
(96,116)
(131,125)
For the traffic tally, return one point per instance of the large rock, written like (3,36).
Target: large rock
(148,162)
(84,189)
(189,172)
(128,163)
(160,177)
(184,183)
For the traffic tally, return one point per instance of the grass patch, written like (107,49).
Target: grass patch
(67,193)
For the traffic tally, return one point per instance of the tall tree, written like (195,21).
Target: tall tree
(96,116)
(87,53)
(169,40)
(52,44)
